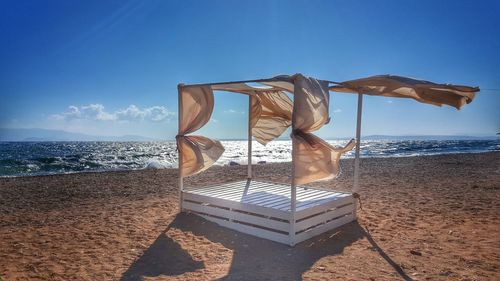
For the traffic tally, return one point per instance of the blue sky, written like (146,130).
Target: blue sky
(112,67)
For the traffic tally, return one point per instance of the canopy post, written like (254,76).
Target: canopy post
(293,197)
(179,169)
(355,188)
(249,176)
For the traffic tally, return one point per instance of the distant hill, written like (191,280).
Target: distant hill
(59,135)
(396,138)
(416,137)
(429,137)
(7,134)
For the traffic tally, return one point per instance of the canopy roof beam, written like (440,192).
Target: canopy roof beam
(243,81)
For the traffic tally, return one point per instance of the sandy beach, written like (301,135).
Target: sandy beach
(422,218)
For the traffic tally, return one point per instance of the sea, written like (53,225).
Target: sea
(46,158)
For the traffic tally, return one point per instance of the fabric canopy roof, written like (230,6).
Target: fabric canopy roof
(403,87)
(272,112)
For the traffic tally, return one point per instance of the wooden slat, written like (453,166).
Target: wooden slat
(265,199)
(265,222)
(235,193)
(222,192)
(282,202)
(221,188)
(307,198)
(254,183)
(304,224)
(253,190)
(323,228)
(230,190)
(312,203)
(306,212)
(194,188)
(286,194)
(269,196)
(237,205)
(262,233)
(232,195)
(240,184)
(235,188)
(260,195)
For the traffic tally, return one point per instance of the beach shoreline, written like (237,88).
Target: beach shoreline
(49,158)
(226,165)
(424,217)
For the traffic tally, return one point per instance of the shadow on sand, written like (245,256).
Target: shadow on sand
(163,257)
(253,258)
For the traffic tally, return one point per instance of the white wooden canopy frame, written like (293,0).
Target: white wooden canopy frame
(270,210)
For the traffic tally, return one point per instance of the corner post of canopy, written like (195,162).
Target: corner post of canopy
(249,152)
(181,179)
(355,188)
(293,201)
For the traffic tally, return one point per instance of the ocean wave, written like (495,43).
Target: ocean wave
(43,158)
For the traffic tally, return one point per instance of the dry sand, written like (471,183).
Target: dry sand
(423,218)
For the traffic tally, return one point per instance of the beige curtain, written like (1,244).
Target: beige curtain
(403,87)
(271,115)
(197,153)
(313,158)
(311,99)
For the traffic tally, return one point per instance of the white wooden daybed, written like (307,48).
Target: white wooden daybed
(263,209)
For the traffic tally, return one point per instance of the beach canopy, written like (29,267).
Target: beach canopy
(271,112)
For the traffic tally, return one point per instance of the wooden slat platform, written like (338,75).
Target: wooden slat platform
(263,209)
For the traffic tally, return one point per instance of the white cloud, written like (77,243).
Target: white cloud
(389,101)
(131,113)
(96,111)
(232,111)
(337,110)
(154,113)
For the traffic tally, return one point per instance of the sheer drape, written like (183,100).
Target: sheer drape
(198,153)
(271,115)
(313,158)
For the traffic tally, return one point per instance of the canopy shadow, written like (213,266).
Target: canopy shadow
(253,258)
(163,257)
